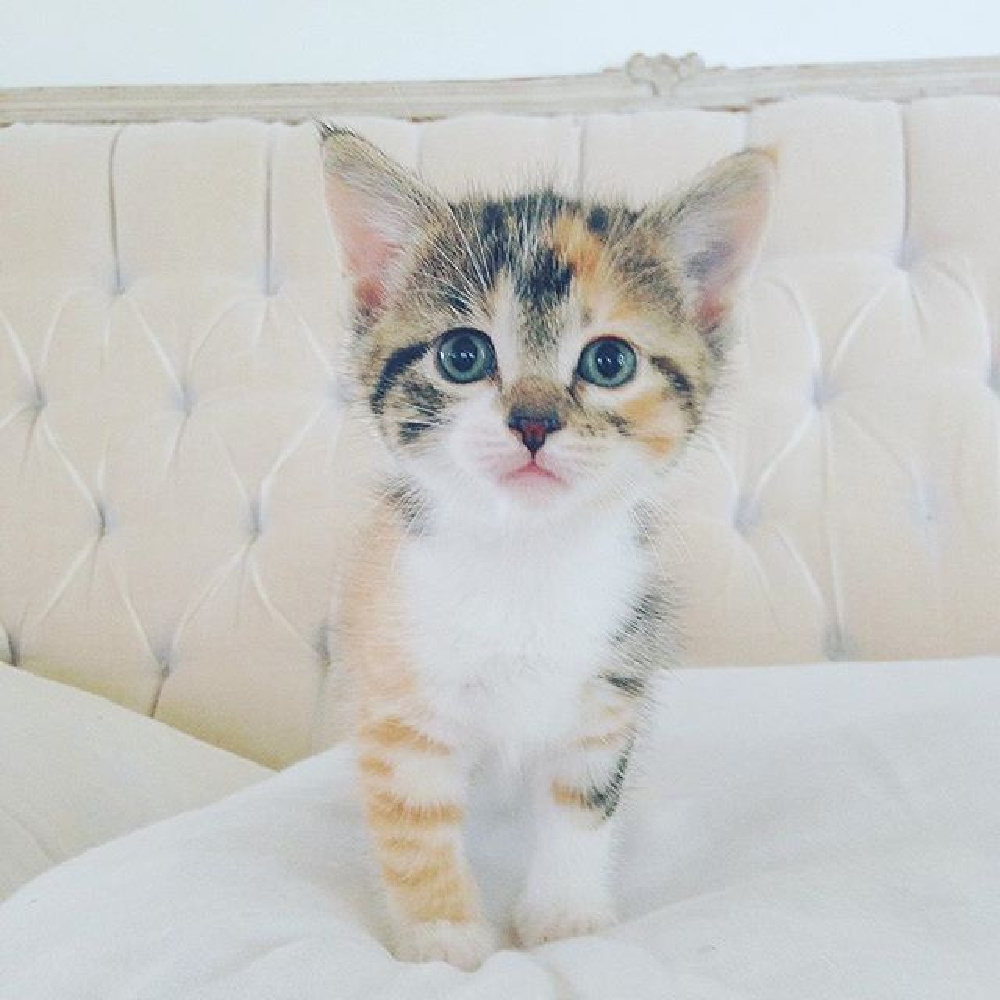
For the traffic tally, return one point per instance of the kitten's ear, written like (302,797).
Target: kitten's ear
(715,230)
(378,211)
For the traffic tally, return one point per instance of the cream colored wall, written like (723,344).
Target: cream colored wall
(64,42)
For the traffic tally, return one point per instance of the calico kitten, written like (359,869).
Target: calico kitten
(534,364)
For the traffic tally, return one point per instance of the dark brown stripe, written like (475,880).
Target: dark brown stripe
(644,616)
(679,382)
(395,365)
(631,684)
(606,799)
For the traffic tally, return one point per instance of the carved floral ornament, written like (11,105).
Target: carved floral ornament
(663,72)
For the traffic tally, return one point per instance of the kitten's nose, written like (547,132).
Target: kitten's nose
(533,426)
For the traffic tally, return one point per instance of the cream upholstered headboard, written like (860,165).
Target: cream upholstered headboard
(180,474)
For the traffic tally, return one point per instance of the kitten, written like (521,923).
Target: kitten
(534,364)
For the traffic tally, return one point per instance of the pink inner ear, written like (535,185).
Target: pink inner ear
(722,265)
(369,260)
(370,295)
(368,252)
(711,310)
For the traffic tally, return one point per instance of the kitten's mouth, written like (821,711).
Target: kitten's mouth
(530,473)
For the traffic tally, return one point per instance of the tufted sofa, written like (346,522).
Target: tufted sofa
(181,466)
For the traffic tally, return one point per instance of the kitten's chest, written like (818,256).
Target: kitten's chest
(506,632)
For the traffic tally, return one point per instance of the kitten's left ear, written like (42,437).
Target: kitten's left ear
(713,233)
(378,210)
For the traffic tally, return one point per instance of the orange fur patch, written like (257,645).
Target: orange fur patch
(585,253)
(643,410)
(428,878)
(375,767)
(566,796)
(370,608)
(395,733)
(434,891)
(660,445)
(577,245)
(403,843)
(646,415)
(389,809)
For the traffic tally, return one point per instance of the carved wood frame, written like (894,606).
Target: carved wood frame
(643,83)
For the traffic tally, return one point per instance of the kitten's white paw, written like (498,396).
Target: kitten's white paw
(541,923)
(465,946)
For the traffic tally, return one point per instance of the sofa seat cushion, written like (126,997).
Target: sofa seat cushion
(821,831)
(77,770)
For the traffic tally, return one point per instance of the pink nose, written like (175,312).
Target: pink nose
(533,426)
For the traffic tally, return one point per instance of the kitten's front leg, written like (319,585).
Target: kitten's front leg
(414,789)
(568,889)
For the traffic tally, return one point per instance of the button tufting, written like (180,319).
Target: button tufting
(105,521)
(746,513)
(822,390)
(256,518)
(836,645)
(926,507)
(14,648)
(38,400)
(993,377)
(322,647)
(164,656)
(185,399)
(906,254)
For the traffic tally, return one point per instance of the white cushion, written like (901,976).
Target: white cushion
(815,832)
(182,474)
(77,770)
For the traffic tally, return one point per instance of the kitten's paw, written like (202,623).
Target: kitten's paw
(537,925)
(465,945)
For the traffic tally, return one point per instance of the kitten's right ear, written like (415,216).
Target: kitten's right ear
(378,211)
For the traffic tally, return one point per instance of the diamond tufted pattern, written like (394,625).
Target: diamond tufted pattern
(181,471)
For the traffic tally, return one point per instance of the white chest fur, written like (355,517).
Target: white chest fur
(507,627)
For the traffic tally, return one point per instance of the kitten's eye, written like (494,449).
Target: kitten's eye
(466,355)
(608,362)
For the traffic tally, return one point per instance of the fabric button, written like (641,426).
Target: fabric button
(256,519)
(746,513)
(993,377)
(322,647)
(13,649)
(164,656)
(185,399)
(926,507)
(906,254)
(823,390)
(105,521)
(836,645)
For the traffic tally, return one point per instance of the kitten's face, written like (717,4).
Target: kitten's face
(536,353)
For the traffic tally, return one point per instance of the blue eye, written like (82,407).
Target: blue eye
(608,362)
(466,355)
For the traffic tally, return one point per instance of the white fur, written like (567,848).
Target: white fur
(510,600)
(568,889)
(507,626)
(525,565)
(465,946)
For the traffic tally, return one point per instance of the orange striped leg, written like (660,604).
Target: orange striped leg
(414,795)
